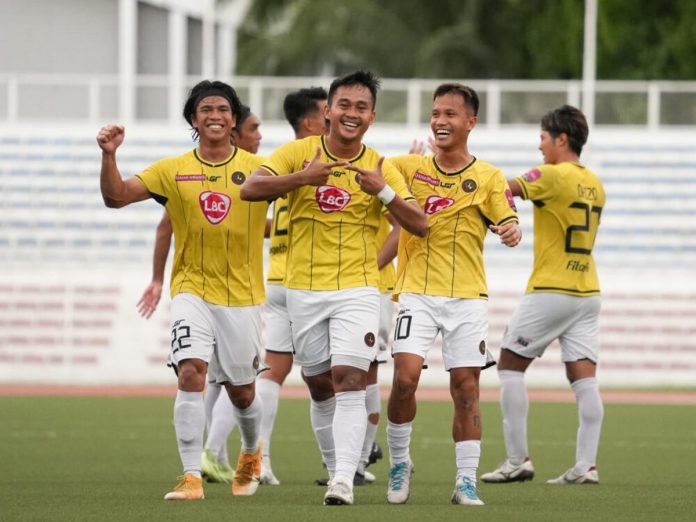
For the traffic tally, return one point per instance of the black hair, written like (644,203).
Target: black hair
(204,89)
(467,93)
(299,104)
(570,120)
(365,78)
(244,113)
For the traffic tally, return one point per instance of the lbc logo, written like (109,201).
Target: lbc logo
(331,198)
(214,205)
(436,203)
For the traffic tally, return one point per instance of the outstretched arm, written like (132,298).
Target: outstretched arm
(152,294)
(408,214)
(116,192)
(263,186)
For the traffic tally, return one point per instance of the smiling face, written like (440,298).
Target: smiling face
(213,119)
(248,136)
(451,121)
(350,113)
(551,147)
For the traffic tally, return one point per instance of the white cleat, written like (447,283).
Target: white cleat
(465,493)
(339,493)
(267,477)
(573,477)
(509,472)
(399,487)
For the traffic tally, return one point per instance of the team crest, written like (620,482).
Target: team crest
(215,206)
(482,347)
(238,178)
(436,203)
(370,339)
(532,175)
(331,198)
(255,363)
(469,185)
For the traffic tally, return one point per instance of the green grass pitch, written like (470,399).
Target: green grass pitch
(87,458)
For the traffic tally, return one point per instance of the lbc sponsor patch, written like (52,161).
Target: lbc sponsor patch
(331,198)
(511,200)
(215,206)
(436,203)
(532,175)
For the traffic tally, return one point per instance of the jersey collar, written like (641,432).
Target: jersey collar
(445,173)
(204,162)
(334,158)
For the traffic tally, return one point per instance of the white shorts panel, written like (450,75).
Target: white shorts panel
(386,321)
(277,319)
(228,338)
(542,318)
(463,324)
(334,322)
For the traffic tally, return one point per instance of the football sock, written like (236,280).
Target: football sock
(467,454)
(249,420)
(269,391)
(222,423)
(211,396)
(590,414)
(399,440)
(514,403)
(321,414)
(349,423)
(189,425)
(372,405)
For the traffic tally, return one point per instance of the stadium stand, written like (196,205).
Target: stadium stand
(73,270)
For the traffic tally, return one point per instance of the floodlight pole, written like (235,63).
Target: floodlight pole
(589,61)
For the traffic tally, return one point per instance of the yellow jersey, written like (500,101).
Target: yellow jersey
(568,201)
(332,228)
(218,253)
(459,205)
(387,275)
(277,254)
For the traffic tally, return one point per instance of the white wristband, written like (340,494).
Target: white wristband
(386,195)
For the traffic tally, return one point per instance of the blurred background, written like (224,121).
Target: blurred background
(73,271)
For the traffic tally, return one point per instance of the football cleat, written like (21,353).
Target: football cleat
(509,472)
(399,487)
(573,477)
(190,487)
(465,493)
(339,493)
(246,478)
(376,454)
(214,470)
(267,477)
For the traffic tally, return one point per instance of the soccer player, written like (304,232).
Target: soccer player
(217,277)
(562,298)
(336,189)
(304,110)
(441,286)
(215,464)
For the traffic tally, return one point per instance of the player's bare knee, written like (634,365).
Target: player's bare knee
(404,386)
(191,375)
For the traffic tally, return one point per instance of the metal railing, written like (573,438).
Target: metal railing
(77,98)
